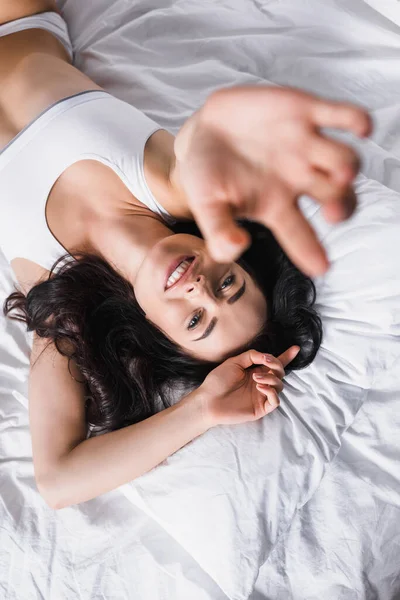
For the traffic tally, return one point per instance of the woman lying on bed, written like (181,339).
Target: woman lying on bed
(138,306)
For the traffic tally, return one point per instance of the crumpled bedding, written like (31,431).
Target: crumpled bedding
(242,486)
(305,503)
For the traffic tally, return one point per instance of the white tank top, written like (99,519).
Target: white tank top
(89,125)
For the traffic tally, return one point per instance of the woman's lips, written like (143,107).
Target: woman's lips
(173,266)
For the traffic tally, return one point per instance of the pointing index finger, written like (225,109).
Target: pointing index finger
(289,354)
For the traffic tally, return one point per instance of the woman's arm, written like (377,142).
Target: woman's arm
(70,468)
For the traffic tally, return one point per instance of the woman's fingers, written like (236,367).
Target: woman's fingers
(276,364)
(324,188)
(286,357)
(271,395)
(225,239)
(293,231)
(337,211)
(271,364)
(268,379)
(249,358)
(275,370)
(299,240)
(342,199)
(333,157)
(338,200)
(341,115)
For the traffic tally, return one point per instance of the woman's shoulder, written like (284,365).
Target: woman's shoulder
(28,273)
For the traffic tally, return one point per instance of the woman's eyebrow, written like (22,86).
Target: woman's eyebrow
(214,320)
(209,329)
(238,294)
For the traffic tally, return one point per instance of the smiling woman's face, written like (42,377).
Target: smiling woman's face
(210,309)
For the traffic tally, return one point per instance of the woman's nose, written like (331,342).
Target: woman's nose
(196,285)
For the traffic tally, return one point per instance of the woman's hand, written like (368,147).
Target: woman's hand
(251,151)
(236,392)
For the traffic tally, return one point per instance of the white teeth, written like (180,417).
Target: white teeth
(179,271)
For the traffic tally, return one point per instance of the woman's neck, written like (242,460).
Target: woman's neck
(135,229)
(109,221)
(162,176)
(125,240)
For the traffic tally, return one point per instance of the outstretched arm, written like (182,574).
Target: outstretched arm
(251,151)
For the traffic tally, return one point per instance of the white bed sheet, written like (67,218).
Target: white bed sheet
(227,517)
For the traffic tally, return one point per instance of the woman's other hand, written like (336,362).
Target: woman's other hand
(251,151)
(244,388)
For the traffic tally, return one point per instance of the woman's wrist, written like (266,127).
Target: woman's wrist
(199,403)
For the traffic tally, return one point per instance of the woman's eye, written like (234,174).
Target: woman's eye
(230,280)
(194,321)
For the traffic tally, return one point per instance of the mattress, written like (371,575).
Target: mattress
(305,503)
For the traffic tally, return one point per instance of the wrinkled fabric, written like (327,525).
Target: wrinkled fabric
(243,486)
(303,504)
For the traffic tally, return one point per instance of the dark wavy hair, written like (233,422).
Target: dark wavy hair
(129,366)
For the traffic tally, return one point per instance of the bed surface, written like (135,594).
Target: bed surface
(306,503)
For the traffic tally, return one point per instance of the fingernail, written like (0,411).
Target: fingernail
(236,238)
(268,357)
